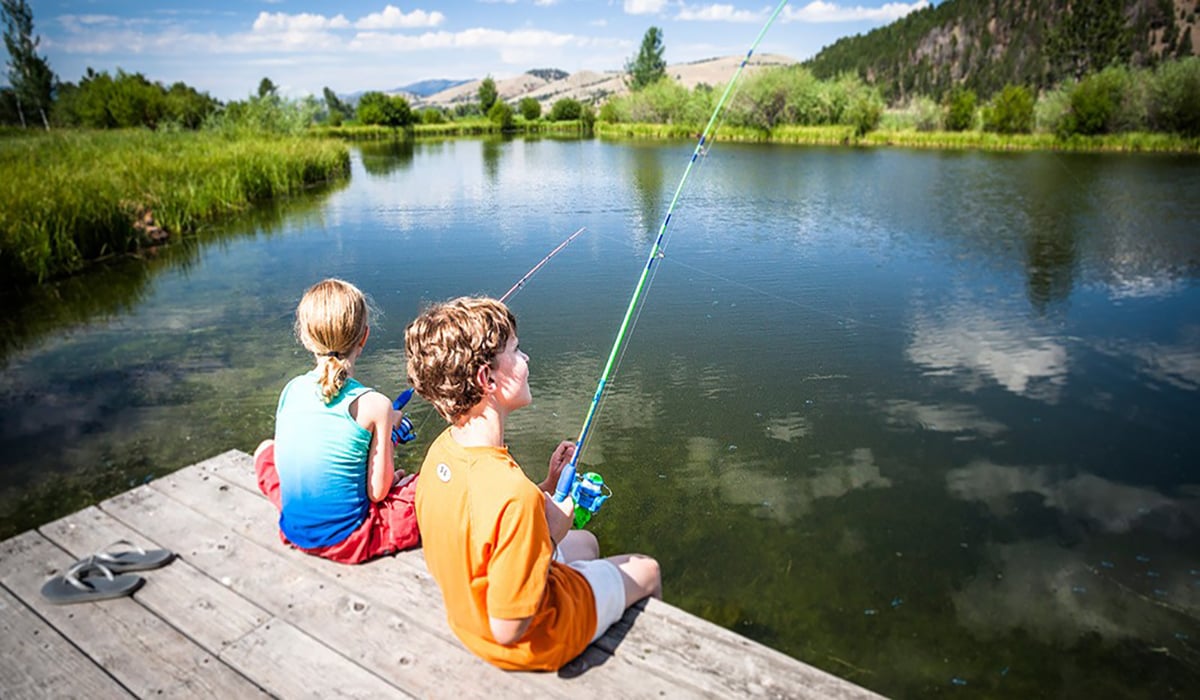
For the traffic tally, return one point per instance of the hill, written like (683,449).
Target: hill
(425,88)
(986,44)
(547,87)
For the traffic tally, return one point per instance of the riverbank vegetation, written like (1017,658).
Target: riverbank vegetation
(70,197)
(1117,108)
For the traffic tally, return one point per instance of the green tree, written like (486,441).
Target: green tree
(1010,112)
(266,88)
(487,95)
(387,110)
(501,114)
(960,109)
(1175,97)
(648,67)
(565,110)
(530,108)
(29,74)
(1092,36)
(338,110)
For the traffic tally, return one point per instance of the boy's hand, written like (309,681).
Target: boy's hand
(559,459)
(559,517)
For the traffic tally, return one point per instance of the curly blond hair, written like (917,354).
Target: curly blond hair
(446,346)
(331,321)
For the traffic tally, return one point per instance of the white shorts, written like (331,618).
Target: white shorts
(608,589)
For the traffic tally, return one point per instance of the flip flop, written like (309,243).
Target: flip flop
(88,581)
(133,559)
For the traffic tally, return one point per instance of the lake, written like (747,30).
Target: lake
(923,419)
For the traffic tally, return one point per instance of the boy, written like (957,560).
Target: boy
(522,590)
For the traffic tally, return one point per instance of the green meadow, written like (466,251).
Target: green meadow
(70,197)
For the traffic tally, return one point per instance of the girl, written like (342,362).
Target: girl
(329,469)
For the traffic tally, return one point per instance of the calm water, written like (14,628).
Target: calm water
(925,420)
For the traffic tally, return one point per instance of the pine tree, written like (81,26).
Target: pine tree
(648,67)
(31,78)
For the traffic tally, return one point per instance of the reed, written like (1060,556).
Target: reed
(68,198)
(1131,142)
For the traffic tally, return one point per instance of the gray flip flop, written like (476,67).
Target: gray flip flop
(132,559)
(87,581)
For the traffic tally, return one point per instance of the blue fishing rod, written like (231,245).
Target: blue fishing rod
(588,487)
(405,432)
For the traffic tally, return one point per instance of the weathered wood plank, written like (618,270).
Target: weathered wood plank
(190,600)
(37,662)
(720,661)
(144,654)
(294,665)
(377,636)
(418,597)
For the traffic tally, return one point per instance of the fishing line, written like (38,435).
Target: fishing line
(566,480)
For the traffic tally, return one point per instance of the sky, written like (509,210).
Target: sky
(226,47)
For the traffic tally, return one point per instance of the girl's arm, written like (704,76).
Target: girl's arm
(375,413)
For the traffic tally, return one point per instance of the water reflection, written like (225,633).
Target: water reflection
(114,288)
(975,345)
(382,158)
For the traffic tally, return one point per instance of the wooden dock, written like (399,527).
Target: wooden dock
(239,615)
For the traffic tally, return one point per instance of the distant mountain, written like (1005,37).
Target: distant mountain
(986,44)
(548,74)
(425,88)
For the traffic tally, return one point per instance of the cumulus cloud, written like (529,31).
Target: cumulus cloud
(271,22)
(820,12)
(644,7)
(393,17)
(718,13)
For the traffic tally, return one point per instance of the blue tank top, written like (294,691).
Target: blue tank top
(321,455)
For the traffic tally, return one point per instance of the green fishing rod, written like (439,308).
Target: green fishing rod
(568,484)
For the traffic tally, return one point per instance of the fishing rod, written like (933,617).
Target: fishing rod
(521,282)
(567,482)
(405,432)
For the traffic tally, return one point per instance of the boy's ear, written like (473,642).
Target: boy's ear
(483,376)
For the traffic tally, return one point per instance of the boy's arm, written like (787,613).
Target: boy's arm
(509,632)
(376,414)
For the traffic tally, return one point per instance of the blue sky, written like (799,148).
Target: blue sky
(225,47)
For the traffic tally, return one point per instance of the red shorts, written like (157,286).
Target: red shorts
(390,525)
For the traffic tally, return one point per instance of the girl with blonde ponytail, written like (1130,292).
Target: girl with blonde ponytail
(329,470)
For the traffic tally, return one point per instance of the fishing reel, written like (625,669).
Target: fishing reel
(589,493)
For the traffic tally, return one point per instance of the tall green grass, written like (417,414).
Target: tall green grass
(834,135)
(67,198)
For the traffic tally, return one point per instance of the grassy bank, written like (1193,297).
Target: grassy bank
(68,198)
(966,140)
(462,127)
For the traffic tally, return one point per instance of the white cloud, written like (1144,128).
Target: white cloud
(818,12)
(281,22)
(393,17)
(718,13)
(644,7)
(477,38)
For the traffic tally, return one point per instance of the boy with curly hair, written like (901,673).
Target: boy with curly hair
(522,590)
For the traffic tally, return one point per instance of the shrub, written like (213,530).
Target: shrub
(960,109)
(502,114)
(1010,112)
(565,110)
(530,108)
(1174,103)
(433,115)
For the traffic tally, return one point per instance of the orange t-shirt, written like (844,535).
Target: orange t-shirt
(487,544)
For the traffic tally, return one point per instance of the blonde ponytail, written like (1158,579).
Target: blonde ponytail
(331,322)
